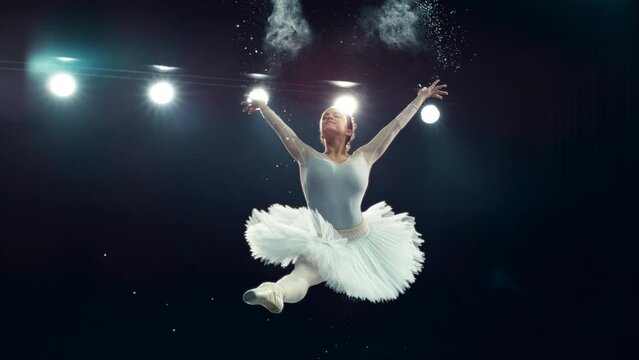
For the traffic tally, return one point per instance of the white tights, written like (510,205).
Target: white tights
(296,283)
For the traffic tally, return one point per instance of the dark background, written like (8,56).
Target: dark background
(523,191)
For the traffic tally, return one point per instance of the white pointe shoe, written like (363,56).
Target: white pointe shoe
(268,294)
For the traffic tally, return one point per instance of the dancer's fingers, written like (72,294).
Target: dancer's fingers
(434,83)
(441,86)
(443,92)
(438,96)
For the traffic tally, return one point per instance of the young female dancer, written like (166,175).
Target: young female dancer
(372,255)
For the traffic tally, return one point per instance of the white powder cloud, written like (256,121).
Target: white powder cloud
(395,23)
(287,31)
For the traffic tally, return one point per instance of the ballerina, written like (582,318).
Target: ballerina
(372,255)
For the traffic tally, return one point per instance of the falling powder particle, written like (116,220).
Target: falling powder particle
(445,39)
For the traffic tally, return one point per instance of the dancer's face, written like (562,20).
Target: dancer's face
(334,123)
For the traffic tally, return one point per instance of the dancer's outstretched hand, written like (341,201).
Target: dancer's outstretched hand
(433,90)
(252,105)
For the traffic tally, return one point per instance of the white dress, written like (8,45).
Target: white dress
(372,255)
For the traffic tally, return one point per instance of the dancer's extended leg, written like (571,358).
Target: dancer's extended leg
(289,289)
(296,284)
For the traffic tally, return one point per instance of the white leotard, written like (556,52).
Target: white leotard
(334,189)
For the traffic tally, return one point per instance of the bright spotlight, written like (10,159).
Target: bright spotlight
(258,94)
(62,84)
(161,93)
(430,114)
(346,104)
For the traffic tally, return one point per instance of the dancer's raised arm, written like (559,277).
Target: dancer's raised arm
(374,149)
(297,148)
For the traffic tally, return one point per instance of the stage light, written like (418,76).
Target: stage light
(164,68)
(430,114)
(346,104)
(66,59)
(62,84)
(259,76)
(258,94)
(343,84)
(161,93)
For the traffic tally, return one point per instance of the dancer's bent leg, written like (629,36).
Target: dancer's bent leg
(296,283)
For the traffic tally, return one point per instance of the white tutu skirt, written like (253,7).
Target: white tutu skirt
(375,261)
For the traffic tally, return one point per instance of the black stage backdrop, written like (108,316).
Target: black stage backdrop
(122,225)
